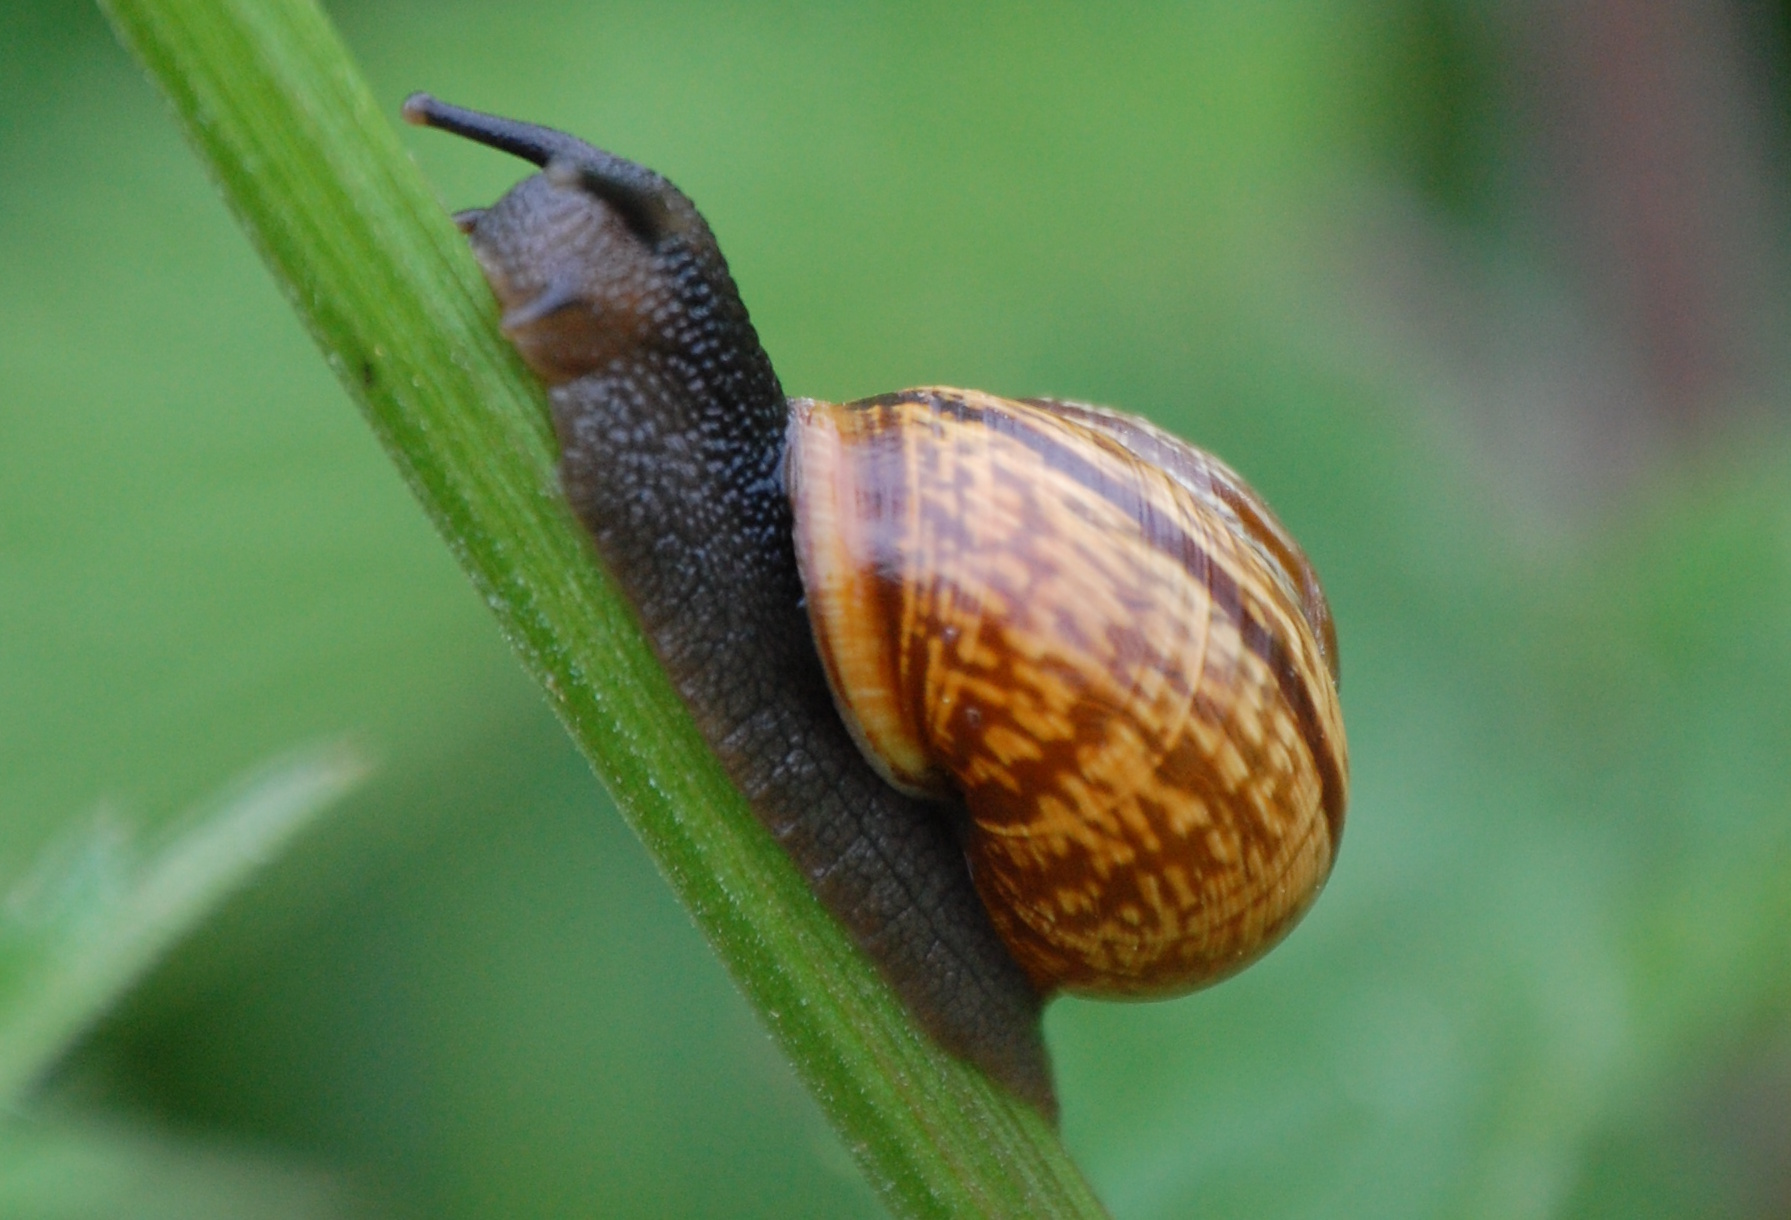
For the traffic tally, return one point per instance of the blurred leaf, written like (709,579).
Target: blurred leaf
(67,1171)
(96,910)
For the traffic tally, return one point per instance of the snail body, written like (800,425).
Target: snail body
(1037,696)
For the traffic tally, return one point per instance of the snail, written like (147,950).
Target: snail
(1038,697)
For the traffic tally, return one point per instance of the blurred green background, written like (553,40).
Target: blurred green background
(1489,300)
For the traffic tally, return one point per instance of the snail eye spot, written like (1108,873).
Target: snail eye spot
(555,298)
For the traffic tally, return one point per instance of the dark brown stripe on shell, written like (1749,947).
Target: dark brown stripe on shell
(1188,466)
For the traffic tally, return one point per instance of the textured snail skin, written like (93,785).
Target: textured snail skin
(1101,640)
(672,427)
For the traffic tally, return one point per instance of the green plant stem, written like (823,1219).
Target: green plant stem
(314,170)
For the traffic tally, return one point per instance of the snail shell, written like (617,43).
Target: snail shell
(1101,639)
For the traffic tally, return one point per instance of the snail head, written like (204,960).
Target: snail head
(584,256)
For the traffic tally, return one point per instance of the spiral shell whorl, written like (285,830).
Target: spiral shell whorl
(1103,641)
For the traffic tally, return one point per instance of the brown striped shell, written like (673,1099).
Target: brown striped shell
(1103,641)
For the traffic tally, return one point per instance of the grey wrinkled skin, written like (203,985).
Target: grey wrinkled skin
(672,427)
